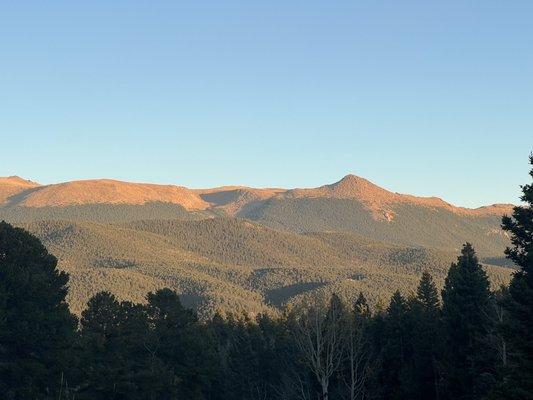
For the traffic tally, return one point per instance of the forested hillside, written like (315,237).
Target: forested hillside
(228,264)
(246,249)
(97,212)
(404,224)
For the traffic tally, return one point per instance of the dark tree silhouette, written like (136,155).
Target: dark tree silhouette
(518,382)
(466,301)
(425,340)
(112,355)
(36,326)
(183,346)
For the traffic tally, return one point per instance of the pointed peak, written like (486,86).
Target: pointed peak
(351,176)
(354,184)
(351,179)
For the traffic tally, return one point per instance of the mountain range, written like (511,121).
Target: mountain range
(248,249)
(15,191)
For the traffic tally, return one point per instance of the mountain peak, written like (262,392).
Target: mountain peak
(357,187)
(351,179)
(15,190)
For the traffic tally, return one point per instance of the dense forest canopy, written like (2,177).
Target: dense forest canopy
(228,264)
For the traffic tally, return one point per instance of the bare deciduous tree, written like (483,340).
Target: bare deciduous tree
(320,337)
(357,360)
(496,314)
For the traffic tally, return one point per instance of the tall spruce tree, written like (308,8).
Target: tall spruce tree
(394,352)
(361,308)
(425,340)
(427,295)
(113,339)
(36,327)
(519,381)
(184,347)
(466,301)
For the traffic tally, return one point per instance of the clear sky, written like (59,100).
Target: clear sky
(422,97)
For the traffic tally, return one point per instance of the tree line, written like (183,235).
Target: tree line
(466,342)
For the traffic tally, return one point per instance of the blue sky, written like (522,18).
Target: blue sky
(429,98)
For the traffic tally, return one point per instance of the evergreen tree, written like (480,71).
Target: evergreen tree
(100,361)
(276,347)
(425,340)
(466,301)
(37,329)
(519,381)
(498,343)
(252,366)
(113,353)
(427,295)
(222,331)
(361,307)
(184,346)
(394,351)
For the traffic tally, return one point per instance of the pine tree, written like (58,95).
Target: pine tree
(37,329)
(427,294)
(394,353)
(519,380)
(113,354)
(361,307)
(183,345)
(466,300)
(425,340)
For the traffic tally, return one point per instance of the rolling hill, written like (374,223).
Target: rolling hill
(103,191)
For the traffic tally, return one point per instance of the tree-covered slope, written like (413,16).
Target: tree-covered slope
(98,212)
(245,249)
(229,264)
(404,224)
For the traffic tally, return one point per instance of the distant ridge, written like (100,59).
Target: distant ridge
(17,181)
(377,199)
(100,191)
(12,185)
(109,191)
(15,191)
(374,198)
